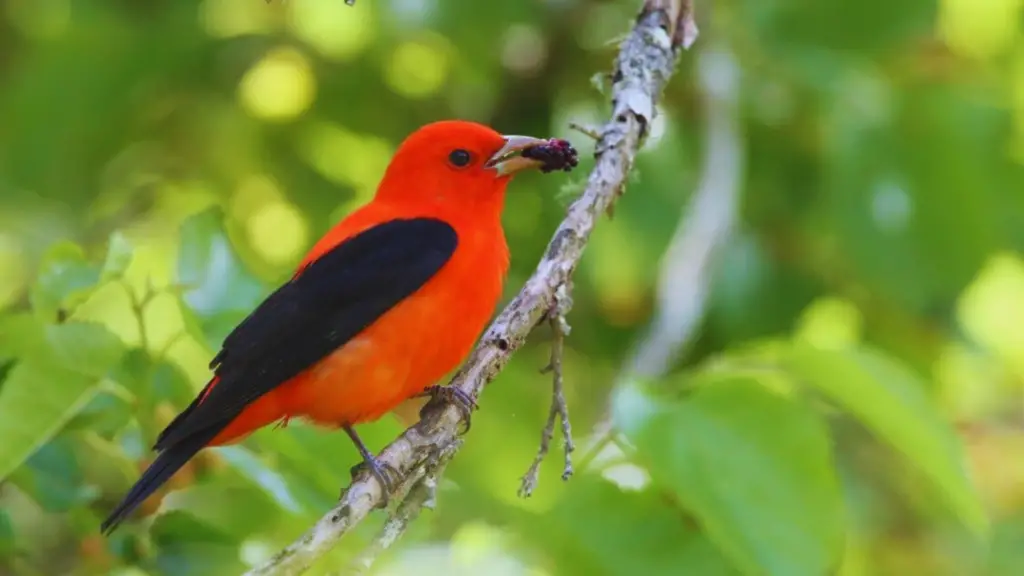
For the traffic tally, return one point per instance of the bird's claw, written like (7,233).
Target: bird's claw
(451,395)
(387,475)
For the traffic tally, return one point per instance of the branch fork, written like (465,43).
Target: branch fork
(559,408)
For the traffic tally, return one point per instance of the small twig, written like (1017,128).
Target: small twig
(422,494)
(166,347)
(138,305)
(559,408)
(593,133)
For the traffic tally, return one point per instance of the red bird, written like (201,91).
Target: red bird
(383,306)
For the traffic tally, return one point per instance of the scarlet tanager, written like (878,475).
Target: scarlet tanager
(383,306)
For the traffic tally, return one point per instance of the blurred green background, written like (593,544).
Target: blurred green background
(849,401)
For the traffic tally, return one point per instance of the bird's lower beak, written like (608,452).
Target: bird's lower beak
(508,159)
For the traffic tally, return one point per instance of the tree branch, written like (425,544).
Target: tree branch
(645,62)
(423,494)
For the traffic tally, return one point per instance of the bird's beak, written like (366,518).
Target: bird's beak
(508,160)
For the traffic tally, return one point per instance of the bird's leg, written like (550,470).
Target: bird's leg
(454,395)
(385,474)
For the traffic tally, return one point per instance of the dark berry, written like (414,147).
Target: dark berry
(555,154)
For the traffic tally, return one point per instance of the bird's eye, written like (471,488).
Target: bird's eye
(459,158)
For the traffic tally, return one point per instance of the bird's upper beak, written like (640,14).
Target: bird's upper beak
(508,160)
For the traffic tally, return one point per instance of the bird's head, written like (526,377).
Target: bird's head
(457,163)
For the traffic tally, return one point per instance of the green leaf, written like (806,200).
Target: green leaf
(297,452)
(37,399)
(239,510)
(119,256)
(598,528)
(104,462)
(53,478)
(21,334)
(891,401)
(86,348)
(48,387)
(753,467)
(135,372)
(269,480)
(193,323)
(1007,552)
(168,382)
(106,413)
(218,287)
(188,545)
(65,279)
(197,557)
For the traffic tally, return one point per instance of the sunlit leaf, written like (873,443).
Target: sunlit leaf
(29,416)
(21,334)
(88,349)
(755,469)
(891,401)
(47,388)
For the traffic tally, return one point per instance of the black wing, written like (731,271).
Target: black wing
(328,303)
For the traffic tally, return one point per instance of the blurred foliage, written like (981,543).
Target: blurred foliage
(852,403)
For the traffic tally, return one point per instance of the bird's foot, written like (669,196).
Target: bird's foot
(452,395)
(386,475)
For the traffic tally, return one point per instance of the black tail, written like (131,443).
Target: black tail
(160,471)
